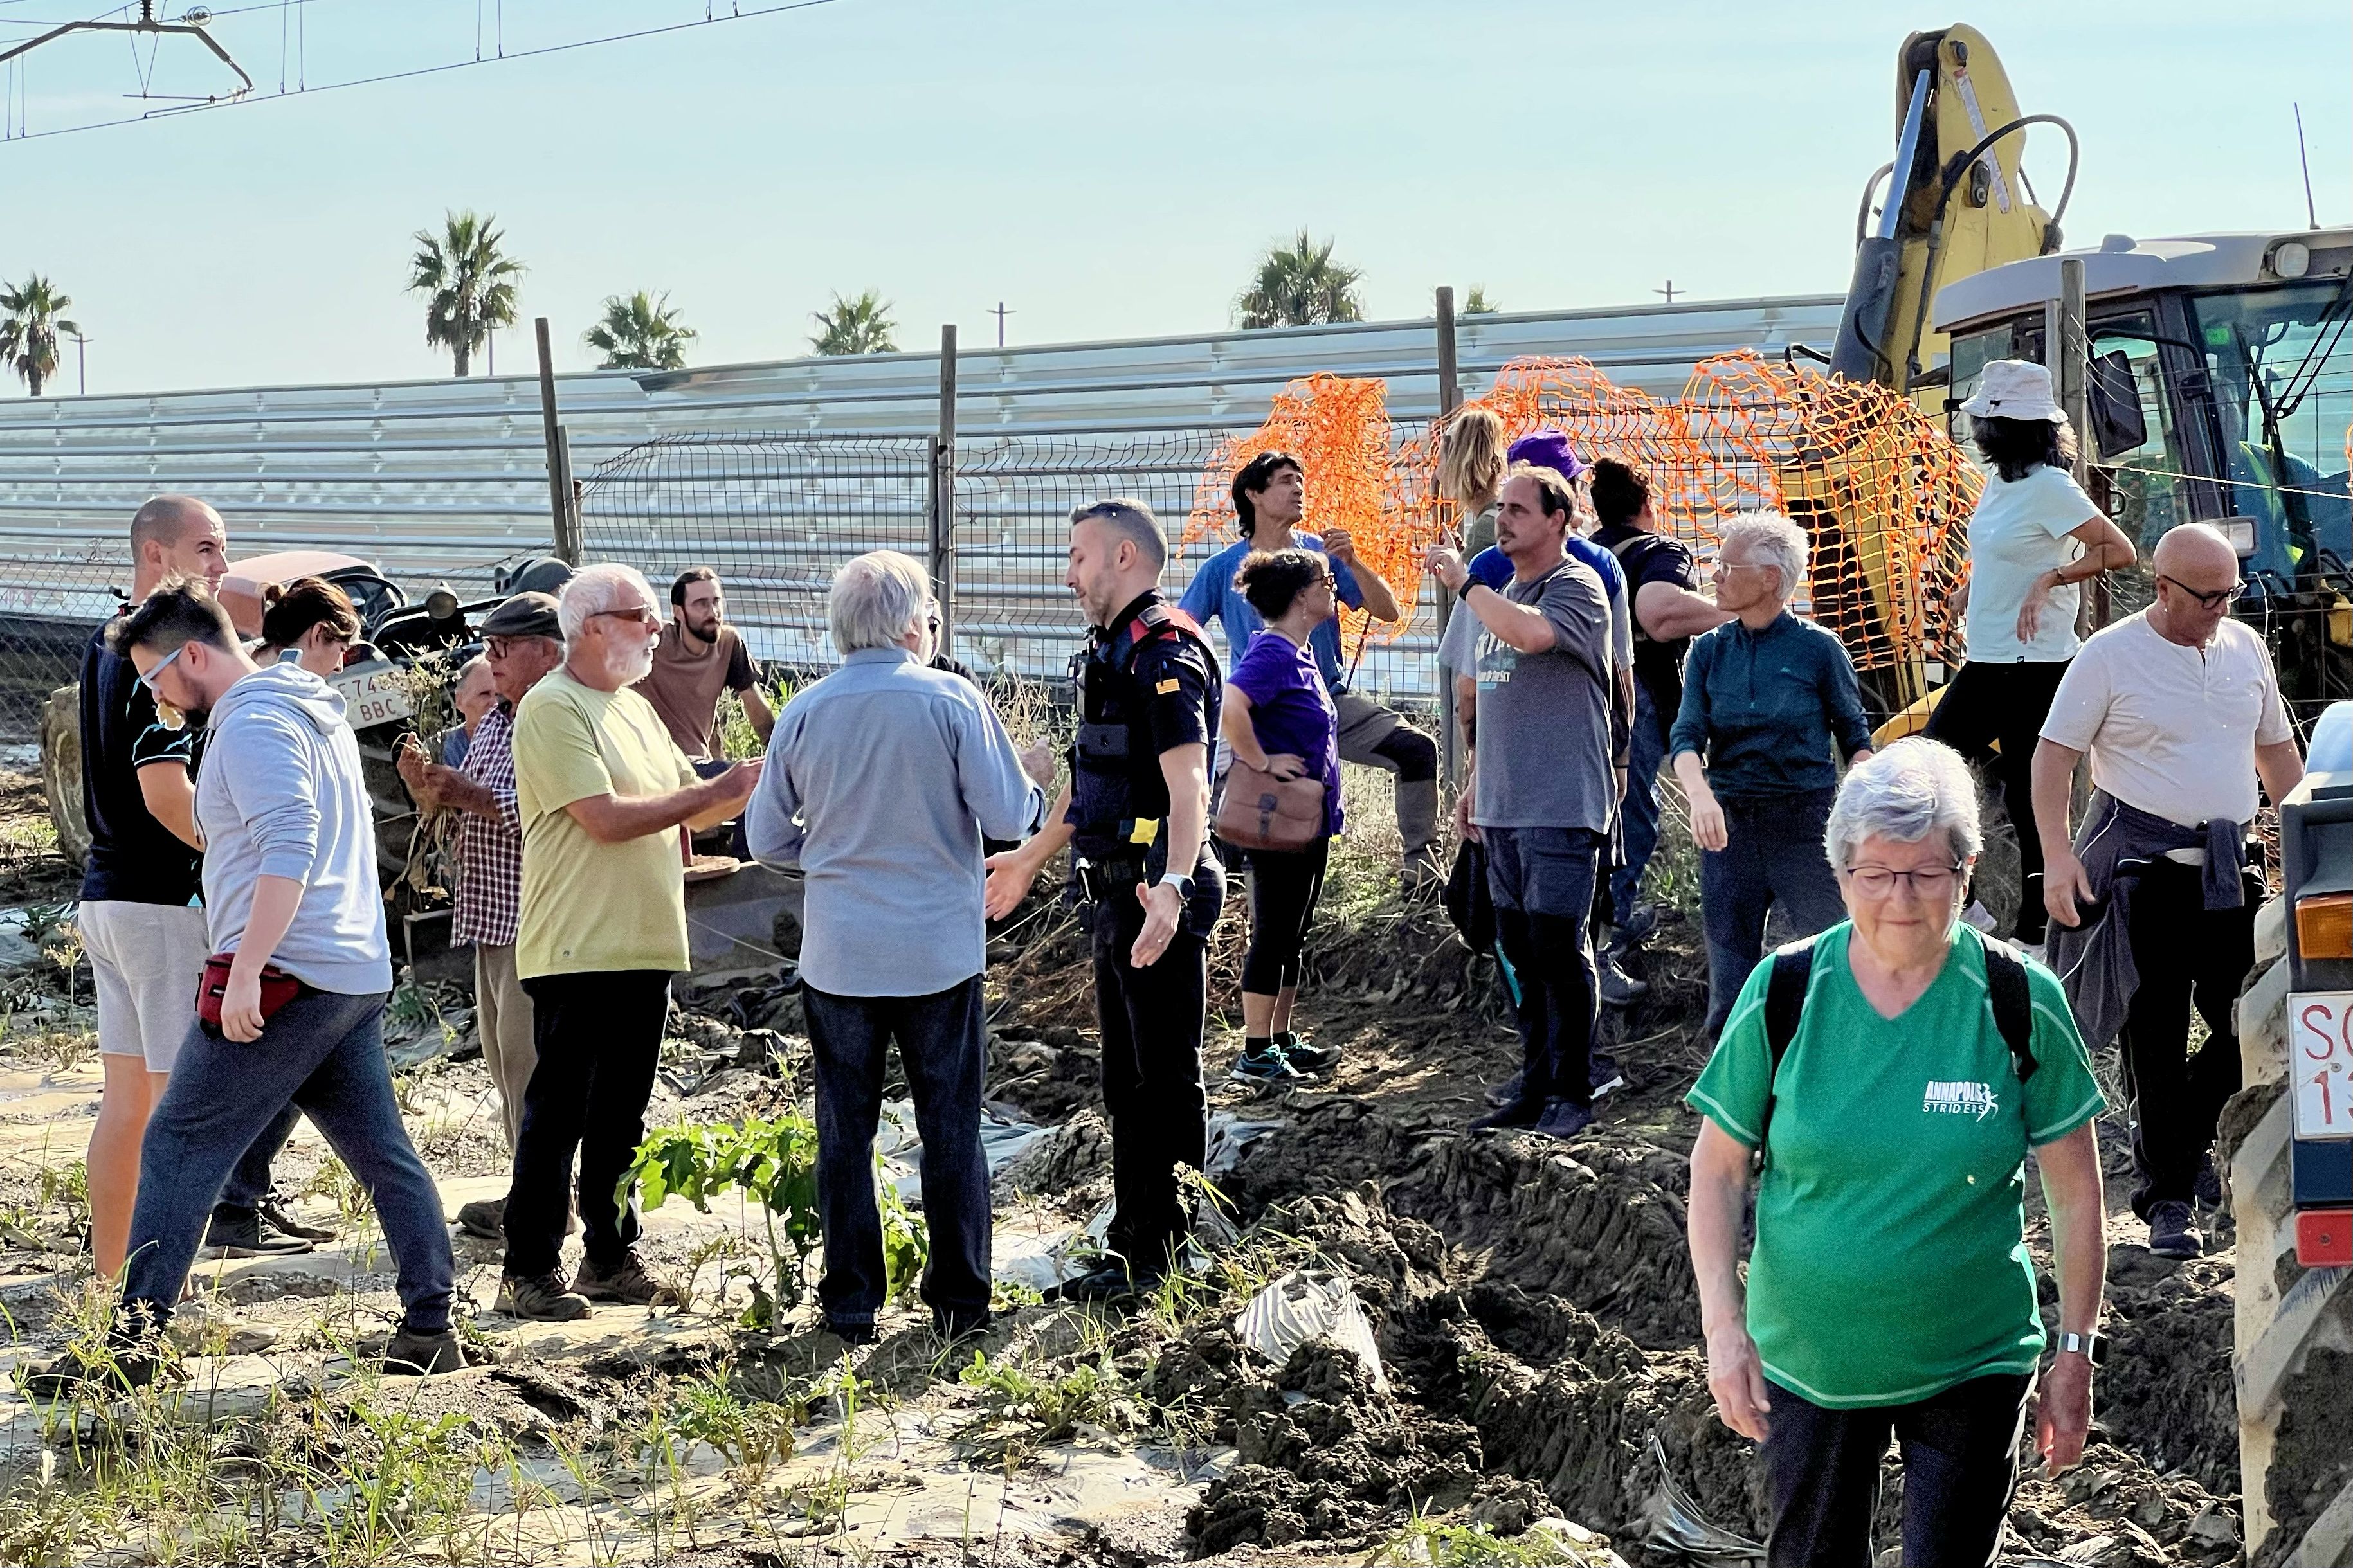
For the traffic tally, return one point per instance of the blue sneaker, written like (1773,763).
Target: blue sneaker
(1265,1068)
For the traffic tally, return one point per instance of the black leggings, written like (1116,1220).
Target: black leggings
(2007,703)
(1284,888)
(1961,1466)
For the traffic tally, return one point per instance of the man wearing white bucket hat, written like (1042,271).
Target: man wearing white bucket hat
(2034,539)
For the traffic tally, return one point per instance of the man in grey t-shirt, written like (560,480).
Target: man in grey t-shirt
(1542,788)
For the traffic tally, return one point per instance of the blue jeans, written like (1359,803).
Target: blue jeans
(944,1046)
(1542,881)
(324,1054)
(249,1181)
(1639,819)
(1773,855)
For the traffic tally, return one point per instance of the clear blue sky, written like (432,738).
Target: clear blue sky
(1106,168)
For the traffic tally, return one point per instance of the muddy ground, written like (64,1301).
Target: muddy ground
(1531,1302)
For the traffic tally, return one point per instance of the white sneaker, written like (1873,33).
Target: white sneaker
(1978,915)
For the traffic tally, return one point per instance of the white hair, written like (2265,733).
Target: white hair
(1772,540)
(878,598)
(1916,787)
(593,590)
(466,668)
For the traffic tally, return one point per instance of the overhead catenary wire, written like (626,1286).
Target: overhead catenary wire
(303,88)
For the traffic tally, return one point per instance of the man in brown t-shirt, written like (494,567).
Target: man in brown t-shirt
(699,657)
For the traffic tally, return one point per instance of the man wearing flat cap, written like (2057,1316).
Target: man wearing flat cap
(522,641)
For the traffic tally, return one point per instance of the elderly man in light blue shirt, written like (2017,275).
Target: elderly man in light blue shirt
(882,781)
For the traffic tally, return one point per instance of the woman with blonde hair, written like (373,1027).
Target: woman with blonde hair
(1471,473)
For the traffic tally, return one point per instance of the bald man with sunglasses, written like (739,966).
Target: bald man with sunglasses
(2178,709)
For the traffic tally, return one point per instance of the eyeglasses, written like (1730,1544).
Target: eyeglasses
(2206,601)
(1930,882)
(1723,565)
(168,661)
(644,615)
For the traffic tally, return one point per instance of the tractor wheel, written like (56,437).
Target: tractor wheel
(62,772)
(2293,1356)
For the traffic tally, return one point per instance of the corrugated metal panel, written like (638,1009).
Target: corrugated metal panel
(442,479)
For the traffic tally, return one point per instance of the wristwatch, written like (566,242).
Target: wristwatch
(2092,1347)
(1184,885)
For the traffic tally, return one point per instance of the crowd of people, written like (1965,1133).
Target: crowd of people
(1880,1078)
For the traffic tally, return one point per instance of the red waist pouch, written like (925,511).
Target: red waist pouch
(278,988)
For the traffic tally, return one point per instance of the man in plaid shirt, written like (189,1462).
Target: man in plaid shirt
(522,641)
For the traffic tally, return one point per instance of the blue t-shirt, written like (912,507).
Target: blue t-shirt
(453,745)
(1213,596)
(1291,711)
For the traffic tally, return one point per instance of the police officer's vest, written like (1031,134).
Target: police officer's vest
(1119,798)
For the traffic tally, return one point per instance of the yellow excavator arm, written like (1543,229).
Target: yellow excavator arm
(1956,204)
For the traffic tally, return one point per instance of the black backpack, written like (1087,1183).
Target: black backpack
(1785,1003)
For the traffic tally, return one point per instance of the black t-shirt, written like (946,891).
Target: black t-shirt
(1653,558)
(133,858)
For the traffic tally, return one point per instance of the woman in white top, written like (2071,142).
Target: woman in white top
(2034,539)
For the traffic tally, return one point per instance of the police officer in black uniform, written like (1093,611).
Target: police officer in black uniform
(1136,814)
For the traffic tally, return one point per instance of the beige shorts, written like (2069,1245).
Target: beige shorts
(146,960)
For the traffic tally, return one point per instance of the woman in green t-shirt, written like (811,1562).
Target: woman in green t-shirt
(1891,1288)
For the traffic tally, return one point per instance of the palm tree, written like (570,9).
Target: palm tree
(641,332)
(860,326)
(1301,287)
(1478,304)
(469,282)
(29,332)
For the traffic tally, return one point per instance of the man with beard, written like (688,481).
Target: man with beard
(291,1003)
(699,657)
(602,792)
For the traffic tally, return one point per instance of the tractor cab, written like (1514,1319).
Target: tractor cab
(2220,390)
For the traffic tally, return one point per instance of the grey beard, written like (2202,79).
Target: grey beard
(632,668)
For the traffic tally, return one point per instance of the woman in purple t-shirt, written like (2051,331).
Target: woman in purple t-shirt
(1278,717)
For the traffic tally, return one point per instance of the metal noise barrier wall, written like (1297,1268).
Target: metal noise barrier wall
(777,514)
(40,653)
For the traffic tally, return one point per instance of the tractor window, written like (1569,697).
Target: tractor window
(2146,495)
(2281,360)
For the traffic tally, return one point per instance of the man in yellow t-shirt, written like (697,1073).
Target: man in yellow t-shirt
(602,792)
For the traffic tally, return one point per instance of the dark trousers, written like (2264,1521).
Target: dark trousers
(1638,817)
(249,1183)
(2186,955)
(322,1053)
(600,1039)
(2005,704)
(1542,881)
(1773,856)
(1960,1465)
(1150,1021)
(1284,888)
(944,1046)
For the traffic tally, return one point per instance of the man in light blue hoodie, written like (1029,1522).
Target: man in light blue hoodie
(290,893)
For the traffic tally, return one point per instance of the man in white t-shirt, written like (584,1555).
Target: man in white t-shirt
(2179,709)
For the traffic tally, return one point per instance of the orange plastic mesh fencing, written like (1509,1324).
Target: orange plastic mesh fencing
(1339,427)
(1879,486)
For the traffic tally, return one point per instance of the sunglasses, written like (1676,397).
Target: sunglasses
(149,679)
(2206,601)
(644,615)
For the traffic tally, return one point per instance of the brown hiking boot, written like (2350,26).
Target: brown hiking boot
(485,1219)
(625,1282)
(410,1354)
(541,1297)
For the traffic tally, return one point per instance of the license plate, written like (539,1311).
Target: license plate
(376,698)
(2320,1059)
